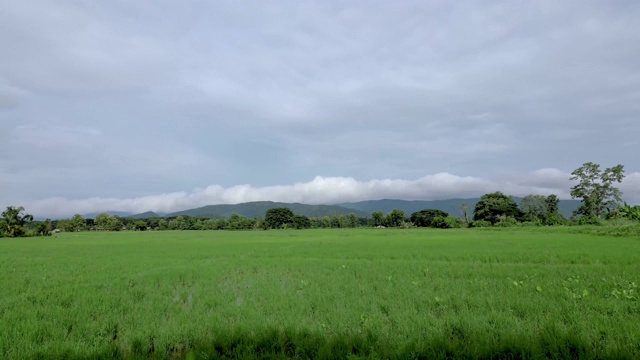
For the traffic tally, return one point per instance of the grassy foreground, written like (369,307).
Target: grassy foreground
(363,293)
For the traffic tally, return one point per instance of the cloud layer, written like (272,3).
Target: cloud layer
(332,190)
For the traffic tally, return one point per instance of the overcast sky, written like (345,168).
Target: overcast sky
(167,105)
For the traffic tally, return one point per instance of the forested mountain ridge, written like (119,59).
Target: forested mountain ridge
(361,209)
(258,208)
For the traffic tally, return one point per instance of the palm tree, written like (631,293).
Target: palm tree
(14,220)
(629,212)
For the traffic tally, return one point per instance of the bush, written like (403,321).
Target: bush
(480,224)
(452,222)
(506,221)
(448,222)
(531,223)
(588,220)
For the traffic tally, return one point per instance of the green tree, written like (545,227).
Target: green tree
(336,221)
(464,208)
(44,228)
(377,218)
(425,218)
(352,220)
(277,218)
(445,222)
(551,210)
(13,221)
(163,224)
(77,223)
(183,222)
(104,221)
(533,207)
(395,218)
(240,222)
(629,212)
(595,188)
(301,222)
(140,225)
(492,206)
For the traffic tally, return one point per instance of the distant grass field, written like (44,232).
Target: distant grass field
(363,293)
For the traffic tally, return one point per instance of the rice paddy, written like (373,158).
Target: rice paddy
(349,293)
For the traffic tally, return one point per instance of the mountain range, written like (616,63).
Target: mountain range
(361,209)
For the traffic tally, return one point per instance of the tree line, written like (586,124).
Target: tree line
(595,187)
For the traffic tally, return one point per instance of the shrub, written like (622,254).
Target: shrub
(480,224)
(589,220)
(506,221)
(452,222)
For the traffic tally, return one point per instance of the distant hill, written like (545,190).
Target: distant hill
(452,206)
(361,209)
(259,208)
(114,213)
(145,215)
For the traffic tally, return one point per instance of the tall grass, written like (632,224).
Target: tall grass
(321,294)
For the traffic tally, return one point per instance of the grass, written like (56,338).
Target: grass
(363,293)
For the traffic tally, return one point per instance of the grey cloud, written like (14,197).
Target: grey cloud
(124,100)
(9,96)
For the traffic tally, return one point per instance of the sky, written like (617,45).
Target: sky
(167,105)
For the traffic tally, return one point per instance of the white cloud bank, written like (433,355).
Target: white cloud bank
(332,190)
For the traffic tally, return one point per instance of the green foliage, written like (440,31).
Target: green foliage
(43,228)
(76,223)
(13,221)
(540,209)
(480,224)
(240,222)
(426,217)
(301,222)
(108,222)
(595,188)
(395,218)
(279,218)
(377,218)
(492,206)
(140,225)
(464,208)
(588,220)
(551,211)
(629,212)
(445,222)
(506,221)
(533,207)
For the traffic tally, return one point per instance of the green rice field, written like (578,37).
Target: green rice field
(322,294)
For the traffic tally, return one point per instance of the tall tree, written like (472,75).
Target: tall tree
(77,223)
(533,207)
(464,207)
(377,218)
(395,218)
(426,217)
(105,221)
(13,221)
(44,228)
(551,210)
(494,205)
(278,218)
(595,188)
(301,222)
